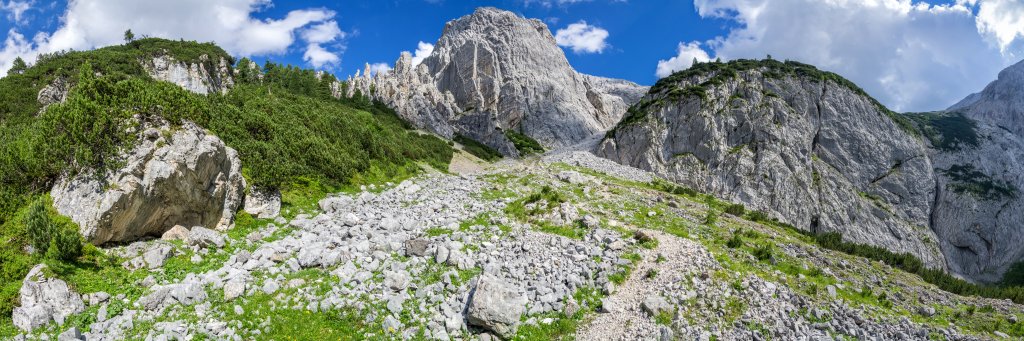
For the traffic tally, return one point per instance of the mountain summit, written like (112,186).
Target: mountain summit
(494,73)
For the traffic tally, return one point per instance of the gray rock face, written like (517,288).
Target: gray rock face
(492,71)
(813,154)
(495,306)
(55,92)
(202,77)
(45,299)
(263,204)
(979,205)
(1001,103)
(174,176)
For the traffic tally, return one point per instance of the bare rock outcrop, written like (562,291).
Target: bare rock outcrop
(174,176)
(44,299)
(817,154)
(202,77)
(493,71)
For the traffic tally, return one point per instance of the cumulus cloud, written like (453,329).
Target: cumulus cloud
(423,50)
(1001,19)
(912,56)
(684,58)
(16,9)
(377,68)
(582,38)
(232,24)
(317,35)
(317,56)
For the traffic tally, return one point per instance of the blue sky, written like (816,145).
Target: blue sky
(911,55)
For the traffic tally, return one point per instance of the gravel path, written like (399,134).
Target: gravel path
(627,320)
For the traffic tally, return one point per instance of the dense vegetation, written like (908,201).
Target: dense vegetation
(289,132)
(524,144)
(947,131)
(967,180)
(684,84)
(478,149)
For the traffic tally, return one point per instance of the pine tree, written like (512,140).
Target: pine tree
(129,37)
(18,67)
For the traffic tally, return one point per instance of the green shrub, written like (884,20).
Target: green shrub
(735,209)
(734,242)
(1014,276)
(524,144)
(763,252)
(478,149)
(711,217)
(39,227)
(66,244)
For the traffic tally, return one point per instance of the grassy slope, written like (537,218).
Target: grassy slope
(289,132)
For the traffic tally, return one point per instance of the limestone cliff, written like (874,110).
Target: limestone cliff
(492,71)
(202,77)
(806,146)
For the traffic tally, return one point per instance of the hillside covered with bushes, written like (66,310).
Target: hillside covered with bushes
(290,133)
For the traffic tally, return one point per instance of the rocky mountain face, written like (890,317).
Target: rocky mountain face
(493,71)
(1001,103)
(815,154)
(814,151)
(201,77)
(977,148)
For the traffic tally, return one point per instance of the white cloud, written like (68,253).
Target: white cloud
(317,56)
(14,46)
(323,33)
(232,24)
(1003,19)
(376,68)
(16,9)
(912,56)
(683,59)
(581,37)
(423,50)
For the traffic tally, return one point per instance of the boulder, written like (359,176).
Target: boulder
(496,306)
(416,247)
(336,204)
(173,176)
(655,304)
(45,299)
(263,203)
(157,255)
(177,232)
(204,237)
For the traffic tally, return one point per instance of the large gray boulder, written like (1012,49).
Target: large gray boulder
(817,154)
(173,176)
(493,71)
(44,299)
(496,306)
